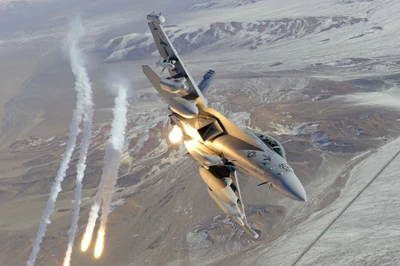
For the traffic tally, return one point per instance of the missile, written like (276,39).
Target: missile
(156,18)
(203,154)
(219,187)
(182,107)
(246,226)
(250,231)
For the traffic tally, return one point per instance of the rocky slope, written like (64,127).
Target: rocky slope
(249,35)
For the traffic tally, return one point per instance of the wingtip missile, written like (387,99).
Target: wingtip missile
(153,17)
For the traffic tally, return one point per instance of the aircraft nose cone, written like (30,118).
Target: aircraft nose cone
(294,187)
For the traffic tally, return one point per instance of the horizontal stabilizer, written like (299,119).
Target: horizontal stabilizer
(206,81)
(152,76)
(155,80)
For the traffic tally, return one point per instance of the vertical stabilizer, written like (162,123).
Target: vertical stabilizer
(206,81)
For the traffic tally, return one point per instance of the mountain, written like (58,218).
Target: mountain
(322,77)
(249,35)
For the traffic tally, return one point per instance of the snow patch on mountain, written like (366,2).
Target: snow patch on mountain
(372,99)
(219,4)
(244,2)
(344,2)
(15,4)
(201,6)
(248,35)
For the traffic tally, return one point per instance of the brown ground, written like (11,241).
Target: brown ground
(167,217)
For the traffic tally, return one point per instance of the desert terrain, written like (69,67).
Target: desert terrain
(320,76)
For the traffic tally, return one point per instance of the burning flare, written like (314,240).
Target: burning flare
(176,134)
(87,238)
(112,157)
(99,243)
(66,262)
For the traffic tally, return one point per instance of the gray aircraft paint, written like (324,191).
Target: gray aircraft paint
(218,145)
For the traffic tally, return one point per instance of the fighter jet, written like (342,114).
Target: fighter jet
(220,147)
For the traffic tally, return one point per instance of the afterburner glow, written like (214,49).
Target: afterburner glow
(176,134)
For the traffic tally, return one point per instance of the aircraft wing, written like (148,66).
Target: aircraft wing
(168,52)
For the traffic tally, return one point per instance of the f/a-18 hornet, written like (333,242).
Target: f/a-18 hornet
(220,147)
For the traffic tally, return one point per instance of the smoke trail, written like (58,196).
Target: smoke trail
(82,79)
(56,187)
(113,157)
(94,211)
(111,161)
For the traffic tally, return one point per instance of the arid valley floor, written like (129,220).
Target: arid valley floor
(323,77)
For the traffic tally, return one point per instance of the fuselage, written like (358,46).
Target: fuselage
(221,148)
(251,156)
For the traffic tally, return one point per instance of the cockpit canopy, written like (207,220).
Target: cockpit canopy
(272,143)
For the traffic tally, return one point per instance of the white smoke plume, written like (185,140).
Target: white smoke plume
(77,62)
(56,187)
(111,161)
